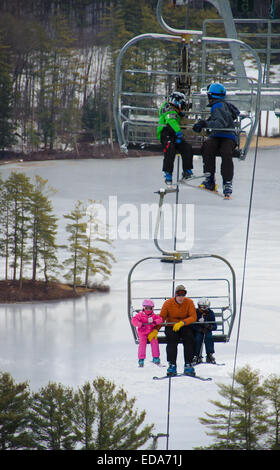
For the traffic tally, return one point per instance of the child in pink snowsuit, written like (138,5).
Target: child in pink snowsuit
(145,321)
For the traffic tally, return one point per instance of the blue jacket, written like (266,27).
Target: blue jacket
(223,116)
(209,316)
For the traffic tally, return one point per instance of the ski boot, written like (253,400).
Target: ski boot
(189,369)
(172,369)
(209,183)
(168,178)
(196,360)
(141,362)
(187,174)
(210,359)
(227,187)
(156,360)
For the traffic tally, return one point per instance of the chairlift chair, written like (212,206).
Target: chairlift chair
(136,110)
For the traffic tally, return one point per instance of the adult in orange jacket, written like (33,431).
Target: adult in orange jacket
(181,312)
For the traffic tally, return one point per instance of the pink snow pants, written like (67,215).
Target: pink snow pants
(142,347)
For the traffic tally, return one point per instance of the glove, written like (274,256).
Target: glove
(199,125)
(153,335)
(179,137)
(150,320)
(201,320)
(178,325)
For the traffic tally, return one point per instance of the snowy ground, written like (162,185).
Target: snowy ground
(75,341)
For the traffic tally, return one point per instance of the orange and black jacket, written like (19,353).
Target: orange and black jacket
(173,312)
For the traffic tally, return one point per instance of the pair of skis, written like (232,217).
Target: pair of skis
(185,182)
(204,379)
(198,377)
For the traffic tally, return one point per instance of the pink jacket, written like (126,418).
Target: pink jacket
(140,320)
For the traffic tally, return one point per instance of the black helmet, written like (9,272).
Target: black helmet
(178,100)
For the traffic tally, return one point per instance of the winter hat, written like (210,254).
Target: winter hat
(148,303)
(180,290)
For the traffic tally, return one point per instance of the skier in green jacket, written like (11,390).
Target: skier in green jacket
(171,137)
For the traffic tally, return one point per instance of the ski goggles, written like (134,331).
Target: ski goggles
(180,293)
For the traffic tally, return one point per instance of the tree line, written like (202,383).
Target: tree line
(28,233)
(95,416)
(57,64)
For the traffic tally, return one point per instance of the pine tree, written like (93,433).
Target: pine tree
(240,424)
(2,219)
(117,421)
(5,222)
(44,230)
(14,414)
(96,260)
(85,258)
(52,418)
(7,138)
(84,416)
(272,393)
(77,238)
(18,188)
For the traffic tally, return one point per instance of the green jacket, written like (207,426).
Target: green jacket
(168,116)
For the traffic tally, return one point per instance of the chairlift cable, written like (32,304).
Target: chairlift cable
(243,281)
(175,225)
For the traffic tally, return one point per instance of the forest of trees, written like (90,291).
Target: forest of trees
(57,60)
(28,232)
(96,416)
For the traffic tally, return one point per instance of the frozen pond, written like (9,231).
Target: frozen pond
(74,341)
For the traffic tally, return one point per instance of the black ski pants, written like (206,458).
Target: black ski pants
(213,147)
(186,335)
(171,148)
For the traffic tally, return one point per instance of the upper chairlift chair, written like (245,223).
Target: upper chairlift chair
(136,111)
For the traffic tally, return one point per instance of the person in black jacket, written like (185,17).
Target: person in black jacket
(203,332)
(221,140)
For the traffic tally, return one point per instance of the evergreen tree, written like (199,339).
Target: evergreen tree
(96,260)
(14,414)
(5,221)
(7,138)
(85,258)
(117,421)
(77,238)
(84,416)
(18,190)
(2,219)
(240,424)
(44,230)
(272,393)
(52,417)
